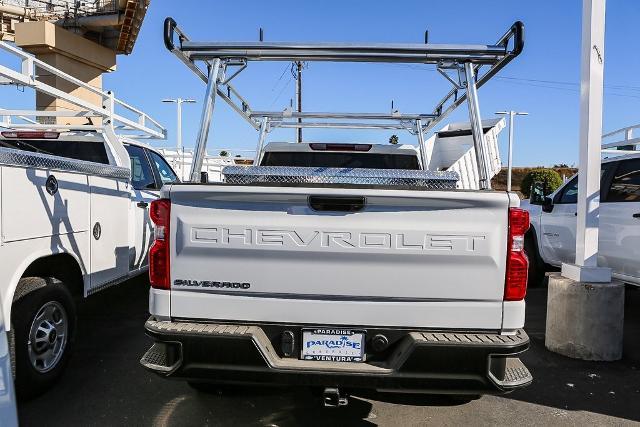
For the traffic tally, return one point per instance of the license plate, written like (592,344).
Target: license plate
(333,345)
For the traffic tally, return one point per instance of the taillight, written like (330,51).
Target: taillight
(515,287)
(30,134)
(159,212)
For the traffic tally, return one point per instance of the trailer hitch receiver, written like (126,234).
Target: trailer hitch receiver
(332,397)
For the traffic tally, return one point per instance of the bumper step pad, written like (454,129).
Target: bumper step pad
(516,374)
(159,358)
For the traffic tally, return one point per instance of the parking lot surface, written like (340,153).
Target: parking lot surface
(105,385)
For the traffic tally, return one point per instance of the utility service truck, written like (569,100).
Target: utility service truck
(74,203)
(341,266)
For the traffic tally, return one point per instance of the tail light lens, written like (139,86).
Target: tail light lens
(160,213)
(515,287)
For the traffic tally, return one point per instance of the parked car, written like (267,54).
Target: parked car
(551,240)
(74,220)
(283,276)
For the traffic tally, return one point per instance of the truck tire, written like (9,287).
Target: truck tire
(536,265)
(43,328)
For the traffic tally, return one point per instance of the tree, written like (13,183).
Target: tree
(550,178)
(224,153)
(393,139)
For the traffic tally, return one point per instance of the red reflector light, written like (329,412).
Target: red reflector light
(160,213)
(515,287)
(340,147)
(30,135)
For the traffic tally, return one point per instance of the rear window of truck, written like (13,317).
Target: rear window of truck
(340,160)
(90,151)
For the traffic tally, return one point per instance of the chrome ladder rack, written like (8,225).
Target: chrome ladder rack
(118,117)
(467,67)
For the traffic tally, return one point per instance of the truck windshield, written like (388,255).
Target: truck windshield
(341,160)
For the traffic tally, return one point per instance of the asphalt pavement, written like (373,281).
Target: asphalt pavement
(104,384)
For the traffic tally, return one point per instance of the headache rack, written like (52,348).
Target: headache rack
(465,66)
(110,115)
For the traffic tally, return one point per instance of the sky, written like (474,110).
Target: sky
(543,80)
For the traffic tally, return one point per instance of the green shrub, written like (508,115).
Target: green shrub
(549,177)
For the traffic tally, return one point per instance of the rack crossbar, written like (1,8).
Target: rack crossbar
(279,115)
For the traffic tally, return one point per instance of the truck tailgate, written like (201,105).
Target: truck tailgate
(406,259)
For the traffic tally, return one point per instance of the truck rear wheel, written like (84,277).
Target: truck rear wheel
(43,327)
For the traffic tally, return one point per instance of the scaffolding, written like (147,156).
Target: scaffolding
(466,67)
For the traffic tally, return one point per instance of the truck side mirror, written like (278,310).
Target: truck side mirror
(547,205)
(538,192)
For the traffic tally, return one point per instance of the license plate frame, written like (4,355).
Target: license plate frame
(333,345)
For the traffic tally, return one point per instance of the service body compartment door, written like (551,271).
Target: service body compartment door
(110,199)
(40,203)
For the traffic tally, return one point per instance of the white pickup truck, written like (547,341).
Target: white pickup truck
(282,277)
(551,239)
(73,221)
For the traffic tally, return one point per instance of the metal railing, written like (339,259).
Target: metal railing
(123,118)
(624,141)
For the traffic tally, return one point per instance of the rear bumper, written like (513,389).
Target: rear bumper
(418,361)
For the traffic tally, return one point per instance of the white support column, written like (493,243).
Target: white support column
(591,94)
(585,308)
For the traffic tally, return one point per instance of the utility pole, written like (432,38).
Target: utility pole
(511,115)
(179,102)
(299,66)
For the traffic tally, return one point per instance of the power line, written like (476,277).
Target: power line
(528,80)
(286,85)
(286,67)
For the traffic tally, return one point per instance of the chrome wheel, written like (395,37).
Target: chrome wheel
(48,336)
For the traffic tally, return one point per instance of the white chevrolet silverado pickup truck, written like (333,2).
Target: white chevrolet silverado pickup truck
(341,286)
(342,265)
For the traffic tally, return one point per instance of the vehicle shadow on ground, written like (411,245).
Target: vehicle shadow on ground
(105,384)
(608,388)
(278,406)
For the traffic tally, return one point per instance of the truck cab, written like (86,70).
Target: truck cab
(552,237)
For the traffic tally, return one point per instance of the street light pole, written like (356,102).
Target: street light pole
(179,102)
(511,115)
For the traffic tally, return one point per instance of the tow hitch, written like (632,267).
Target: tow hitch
(332,397)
